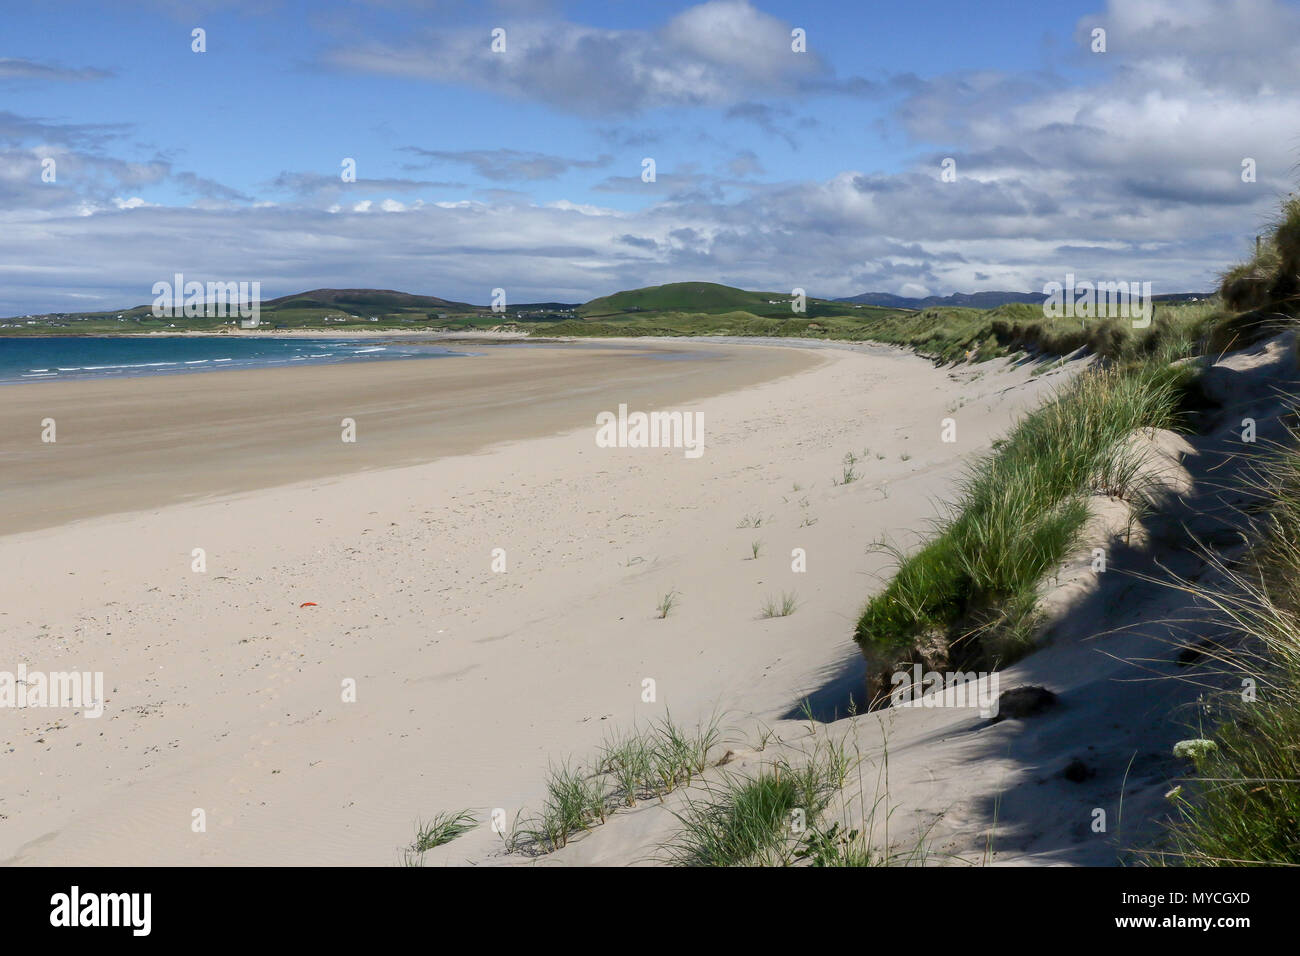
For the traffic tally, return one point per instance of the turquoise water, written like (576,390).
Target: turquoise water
(60,358)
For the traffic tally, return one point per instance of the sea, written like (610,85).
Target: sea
(57,358)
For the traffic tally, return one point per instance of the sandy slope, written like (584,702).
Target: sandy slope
(225,695)
(1127,654)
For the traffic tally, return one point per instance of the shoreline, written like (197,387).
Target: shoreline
(269,333)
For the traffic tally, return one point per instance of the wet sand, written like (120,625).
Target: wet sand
(143,443)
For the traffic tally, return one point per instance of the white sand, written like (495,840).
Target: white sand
(224,695)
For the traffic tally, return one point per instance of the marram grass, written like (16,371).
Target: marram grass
(1020,511)
(1241,804)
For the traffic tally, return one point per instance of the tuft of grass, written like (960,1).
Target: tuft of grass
(755,548)
(751,521)
(443,828)
(838,847)
(764,819)
(783,608)
(667,603)
(512,835)
(575,801)
(750,821)
(743,822)
(629,768)
(629,761)
(681,755)
(848,474)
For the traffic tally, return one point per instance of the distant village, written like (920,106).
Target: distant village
(63,320)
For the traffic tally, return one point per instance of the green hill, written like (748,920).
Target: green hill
(692,297)
(362,300)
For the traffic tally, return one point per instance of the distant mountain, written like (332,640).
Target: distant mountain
(318,306)
(965,300)
(983,300)
(362,300)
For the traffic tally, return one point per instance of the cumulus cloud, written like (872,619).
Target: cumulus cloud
(715,53)
(51,168)
(1184,92)
(1245,45)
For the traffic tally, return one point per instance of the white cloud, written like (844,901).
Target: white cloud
(716,53)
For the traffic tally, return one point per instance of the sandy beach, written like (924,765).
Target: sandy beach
(224,694)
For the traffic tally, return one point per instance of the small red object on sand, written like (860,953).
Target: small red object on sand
(308,604)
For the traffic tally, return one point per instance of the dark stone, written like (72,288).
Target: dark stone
(1076,771)
(1024,701)
(1193,653)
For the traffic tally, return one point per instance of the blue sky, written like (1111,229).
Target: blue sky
(479,169)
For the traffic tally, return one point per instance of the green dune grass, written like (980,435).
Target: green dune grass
(1018,514)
